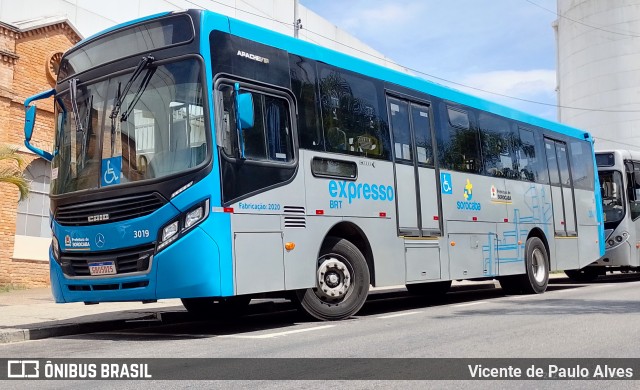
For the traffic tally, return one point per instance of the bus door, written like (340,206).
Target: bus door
(416,186)
(564,209)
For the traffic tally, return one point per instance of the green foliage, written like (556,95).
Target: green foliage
(11,170)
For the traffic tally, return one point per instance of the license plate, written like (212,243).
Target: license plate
(102,268)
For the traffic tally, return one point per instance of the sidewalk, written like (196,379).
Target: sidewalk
(32,314)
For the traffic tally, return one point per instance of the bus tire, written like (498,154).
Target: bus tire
(536,278)
(536,260)
(581,275)
(342,282)
(429,289)
(209,307)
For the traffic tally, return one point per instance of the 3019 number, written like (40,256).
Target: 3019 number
(140,233)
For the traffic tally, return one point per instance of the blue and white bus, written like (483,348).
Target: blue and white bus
(203,158)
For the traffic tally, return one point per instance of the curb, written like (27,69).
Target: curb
(13,335)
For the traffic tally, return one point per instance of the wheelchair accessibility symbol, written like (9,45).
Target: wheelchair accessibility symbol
(110,173)
(445,183)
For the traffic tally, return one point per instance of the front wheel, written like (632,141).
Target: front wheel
(342,282)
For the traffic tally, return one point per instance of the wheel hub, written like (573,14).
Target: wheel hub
(539,265)
(334,279)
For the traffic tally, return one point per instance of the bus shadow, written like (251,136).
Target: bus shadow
(606,279)
(269,316)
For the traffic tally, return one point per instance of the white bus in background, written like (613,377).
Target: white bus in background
(619,173)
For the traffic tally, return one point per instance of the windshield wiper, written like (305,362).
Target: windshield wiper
(82,125)
(144,62)
(138,94)
(73,94)
(120,96)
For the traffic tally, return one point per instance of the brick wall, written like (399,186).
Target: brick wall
(26,75)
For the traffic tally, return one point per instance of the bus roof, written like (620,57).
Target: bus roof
(215,21)
(626,154)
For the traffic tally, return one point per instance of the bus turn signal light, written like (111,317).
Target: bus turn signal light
(289,246)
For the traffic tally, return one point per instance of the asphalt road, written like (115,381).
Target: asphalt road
(598,320)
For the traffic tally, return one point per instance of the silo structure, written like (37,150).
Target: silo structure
(598,62)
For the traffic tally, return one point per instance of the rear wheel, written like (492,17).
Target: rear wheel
(537,262)
(581,275)
(429,289)
(217,307)
(342,282)
(536,278)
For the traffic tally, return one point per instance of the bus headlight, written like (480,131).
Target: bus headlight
(169,231)
(194,216)
(168,235)
(56,248)
(185,222)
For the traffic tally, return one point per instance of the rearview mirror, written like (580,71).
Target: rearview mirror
(245,110)
(30,120)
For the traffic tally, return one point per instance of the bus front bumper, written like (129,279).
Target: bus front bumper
(190,267)
(619,256)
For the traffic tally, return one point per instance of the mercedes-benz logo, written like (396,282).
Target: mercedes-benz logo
(100,240)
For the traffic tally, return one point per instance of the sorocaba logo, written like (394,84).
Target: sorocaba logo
(468,191)
(468,195)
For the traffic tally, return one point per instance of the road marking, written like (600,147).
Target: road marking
(469,304)
(272,335)
(400,314)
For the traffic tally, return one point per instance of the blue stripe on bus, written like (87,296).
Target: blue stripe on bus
(509,260)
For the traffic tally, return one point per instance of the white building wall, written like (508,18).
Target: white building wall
(599,69)
(91,16)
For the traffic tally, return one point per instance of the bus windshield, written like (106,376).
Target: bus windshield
(159,129)
(612,203)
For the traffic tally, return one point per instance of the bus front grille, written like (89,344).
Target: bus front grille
(109,210)
(128,260)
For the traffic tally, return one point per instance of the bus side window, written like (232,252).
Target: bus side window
(526,155)
(303,85)
(636,181)
(581,165)
(351,114)
(497,146)
(270,138)
(633,180)
(459,141)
